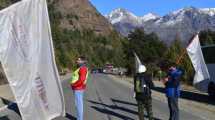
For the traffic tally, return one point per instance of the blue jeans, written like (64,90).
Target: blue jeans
(79,94)
(173,107)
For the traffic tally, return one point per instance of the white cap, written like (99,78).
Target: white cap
(141,69)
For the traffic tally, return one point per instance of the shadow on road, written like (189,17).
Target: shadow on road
(128,103)
(70,117)
(108,109)
(191,96)
(123,102)
(115,107)
(4,118)
(112,113)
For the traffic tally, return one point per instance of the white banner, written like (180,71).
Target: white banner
(137,62)
(196,56)
(27,56)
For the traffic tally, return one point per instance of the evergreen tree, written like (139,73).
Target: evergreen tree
(148,47)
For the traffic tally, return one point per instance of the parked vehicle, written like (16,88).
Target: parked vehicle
(94,70)
(97,70)
(108,68)
(209,84)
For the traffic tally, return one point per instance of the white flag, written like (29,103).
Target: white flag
(27,57)
(196,56)
(138,63)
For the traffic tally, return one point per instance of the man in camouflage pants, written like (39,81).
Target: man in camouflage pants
(142,87)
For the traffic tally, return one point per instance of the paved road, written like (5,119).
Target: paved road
(108,99)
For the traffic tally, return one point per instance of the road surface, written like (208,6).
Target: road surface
(108,99)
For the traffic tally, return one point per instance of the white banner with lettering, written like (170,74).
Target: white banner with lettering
(195,53)
(27,57)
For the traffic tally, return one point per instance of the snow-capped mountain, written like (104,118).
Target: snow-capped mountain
(183,22)
(125,21)
(149,16)
(120,15)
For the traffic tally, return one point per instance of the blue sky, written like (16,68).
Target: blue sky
(142,7)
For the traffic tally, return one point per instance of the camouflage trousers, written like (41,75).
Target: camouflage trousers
(145,105)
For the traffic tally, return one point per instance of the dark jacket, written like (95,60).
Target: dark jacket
(144,77)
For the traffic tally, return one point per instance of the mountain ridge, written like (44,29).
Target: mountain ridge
(183,23)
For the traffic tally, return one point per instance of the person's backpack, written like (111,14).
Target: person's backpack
(144,88)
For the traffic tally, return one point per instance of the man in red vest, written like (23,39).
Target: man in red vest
(78,84)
